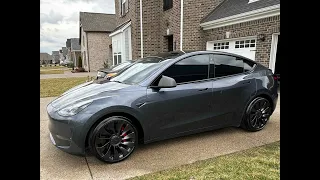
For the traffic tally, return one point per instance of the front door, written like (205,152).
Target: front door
(186,106)
(170,43)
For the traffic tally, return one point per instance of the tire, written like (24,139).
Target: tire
(113,139)
(257,114)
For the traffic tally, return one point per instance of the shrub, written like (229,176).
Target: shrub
(80,62)
(70,65)
(105,64)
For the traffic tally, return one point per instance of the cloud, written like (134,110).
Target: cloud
(59,20)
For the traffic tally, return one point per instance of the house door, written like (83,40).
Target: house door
(170,43)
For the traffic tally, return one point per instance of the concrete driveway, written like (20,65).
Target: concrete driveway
(55,164)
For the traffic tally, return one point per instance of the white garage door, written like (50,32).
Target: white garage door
(245,47)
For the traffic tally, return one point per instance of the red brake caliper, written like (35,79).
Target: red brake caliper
(122,128)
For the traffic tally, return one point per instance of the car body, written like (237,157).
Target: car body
(110,72)
(165,96)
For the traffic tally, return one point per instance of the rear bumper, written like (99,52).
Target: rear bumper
(275,101)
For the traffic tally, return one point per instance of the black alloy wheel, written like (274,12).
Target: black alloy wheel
(257,114)
(114,139)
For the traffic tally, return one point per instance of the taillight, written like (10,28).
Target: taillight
(275,77)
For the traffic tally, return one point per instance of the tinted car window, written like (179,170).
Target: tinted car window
(140,70)
(225,65)
(120,66)
(248,65)
(190,69)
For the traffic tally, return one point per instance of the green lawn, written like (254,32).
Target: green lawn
(256,163)
(52,71)
(53,67)
(57,86)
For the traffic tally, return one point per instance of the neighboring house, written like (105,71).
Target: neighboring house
(75,50)
(63,55)
(94,39)
(68,46)
(247,27)
(45,58)
(55,57)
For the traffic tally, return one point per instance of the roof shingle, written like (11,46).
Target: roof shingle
(233,7)
(97,21)
(75,46)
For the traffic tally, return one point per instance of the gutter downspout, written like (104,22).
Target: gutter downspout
(181,25)
(141,30)
(87,52)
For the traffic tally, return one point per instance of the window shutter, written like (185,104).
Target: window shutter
(126,45)
(127,6)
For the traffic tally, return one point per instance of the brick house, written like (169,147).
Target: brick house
(55,57)
(45,58)
(247,27)
(75,50)
(94,39)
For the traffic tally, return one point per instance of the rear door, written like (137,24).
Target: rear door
(232,88)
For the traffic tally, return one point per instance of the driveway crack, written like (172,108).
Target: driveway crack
(88,167)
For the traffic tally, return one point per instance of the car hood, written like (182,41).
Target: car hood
(106,70)
(87,91)
(78,87)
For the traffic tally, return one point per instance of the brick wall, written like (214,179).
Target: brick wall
(193,35)
(99,50)
(266,26)
(132,15)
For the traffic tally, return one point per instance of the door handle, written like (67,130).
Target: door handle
(203,89)
(247,82)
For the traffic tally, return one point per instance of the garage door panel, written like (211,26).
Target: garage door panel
(245,47)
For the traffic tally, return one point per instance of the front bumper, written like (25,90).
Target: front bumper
(66,132)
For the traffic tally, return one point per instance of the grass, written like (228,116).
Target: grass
(57,86)
(52,72)
(257,163)
(52,67)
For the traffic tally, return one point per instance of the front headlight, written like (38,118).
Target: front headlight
(74,109)
(111,75)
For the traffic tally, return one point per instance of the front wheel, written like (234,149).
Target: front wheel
(257,114)
(113,139)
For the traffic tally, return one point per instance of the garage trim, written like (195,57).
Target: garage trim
(273,52)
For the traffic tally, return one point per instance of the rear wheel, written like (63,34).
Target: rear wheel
(257,114)
(113,139)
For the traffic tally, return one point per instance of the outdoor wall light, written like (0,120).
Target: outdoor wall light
(261,37)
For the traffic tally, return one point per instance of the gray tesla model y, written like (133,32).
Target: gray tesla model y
(163,96)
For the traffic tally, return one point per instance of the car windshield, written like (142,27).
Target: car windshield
(120,66)
(140,70)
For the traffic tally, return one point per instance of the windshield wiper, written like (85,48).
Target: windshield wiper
(117,81)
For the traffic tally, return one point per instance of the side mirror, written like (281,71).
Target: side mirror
(165,82)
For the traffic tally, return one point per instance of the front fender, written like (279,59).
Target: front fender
(104,112)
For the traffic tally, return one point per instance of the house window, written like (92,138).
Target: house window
(117,57)
(83,40)
(124,7)
(251,1)
(245,44)
(222,45)
(167,4)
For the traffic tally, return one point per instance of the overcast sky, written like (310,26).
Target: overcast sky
(59,20)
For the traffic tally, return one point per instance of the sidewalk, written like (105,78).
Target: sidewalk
(67,74)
